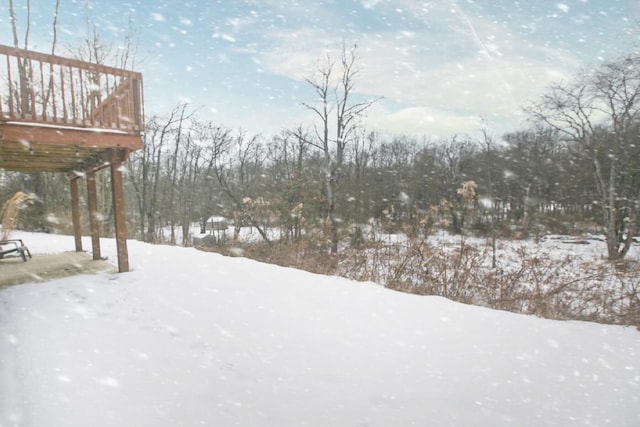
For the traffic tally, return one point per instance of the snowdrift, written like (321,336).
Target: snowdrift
(191,338)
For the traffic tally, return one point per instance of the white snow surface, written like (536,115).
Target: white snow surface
(189,338)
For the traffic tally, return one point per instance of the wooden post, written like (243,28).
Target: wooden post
(119,216)
(75,213)
(93,215)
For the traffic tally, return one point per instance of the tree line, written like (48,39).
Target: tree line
(574,168)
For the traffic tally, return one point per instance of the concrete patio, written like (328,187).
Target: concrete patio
(43,267)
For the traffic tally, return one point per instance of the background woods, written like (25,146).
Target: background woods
(540,179)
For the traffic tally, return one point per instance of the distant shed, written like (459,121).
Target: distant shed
(217,223)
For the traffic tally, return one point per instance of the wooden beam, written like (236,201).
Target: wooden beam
(104,159)
(93,215)
(119,216)
(57,158)
(87,137)
(75,213)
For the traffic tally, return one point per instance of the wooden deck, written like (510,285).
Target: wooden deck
(64,115)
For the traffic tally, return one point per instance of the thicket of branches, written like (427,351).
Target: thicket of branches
(189,170)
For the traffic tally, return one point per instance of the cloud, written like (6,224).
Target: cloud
(157,17)
(466,83)
(438,123)
(295,53)
(369,4)
(447,74)
(421,120)
(238,24)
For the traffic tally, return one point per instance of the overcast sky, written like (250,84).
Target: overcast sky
(437,67)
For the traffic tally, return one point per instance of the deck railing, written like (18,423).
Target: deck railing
(37,87)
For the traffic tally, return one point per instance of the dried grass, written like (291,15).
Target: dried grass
(526,280)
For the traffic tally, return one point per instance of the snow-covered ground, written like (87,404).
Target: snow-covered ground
(190,338)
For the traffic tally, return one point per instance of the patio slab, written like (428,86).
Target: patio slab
(43,267)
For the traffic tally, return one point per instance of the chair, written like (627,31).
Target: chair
(14,246)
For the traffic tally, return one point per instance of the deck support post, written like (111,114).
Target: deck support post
(119,216)
(92,198)
(75,212)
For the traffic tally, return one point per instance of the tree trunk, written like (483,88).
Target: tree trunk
(611,217)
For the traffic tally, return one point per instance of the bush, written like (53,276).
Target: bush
(528,279)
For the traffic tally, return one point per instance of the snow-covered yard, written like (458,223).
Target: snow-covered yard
(190,338)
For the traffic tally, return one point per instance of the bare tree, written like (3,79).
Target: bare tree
(175,170)
(286,154)
(491,170)
(45,185)
(600,113)
(335,101)
(23,70)
(238,168)
(216,141)
(146,172)
(95,48)
(361,154)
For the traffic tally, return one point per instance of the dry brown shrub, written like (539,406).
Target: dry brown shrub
(527,281)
